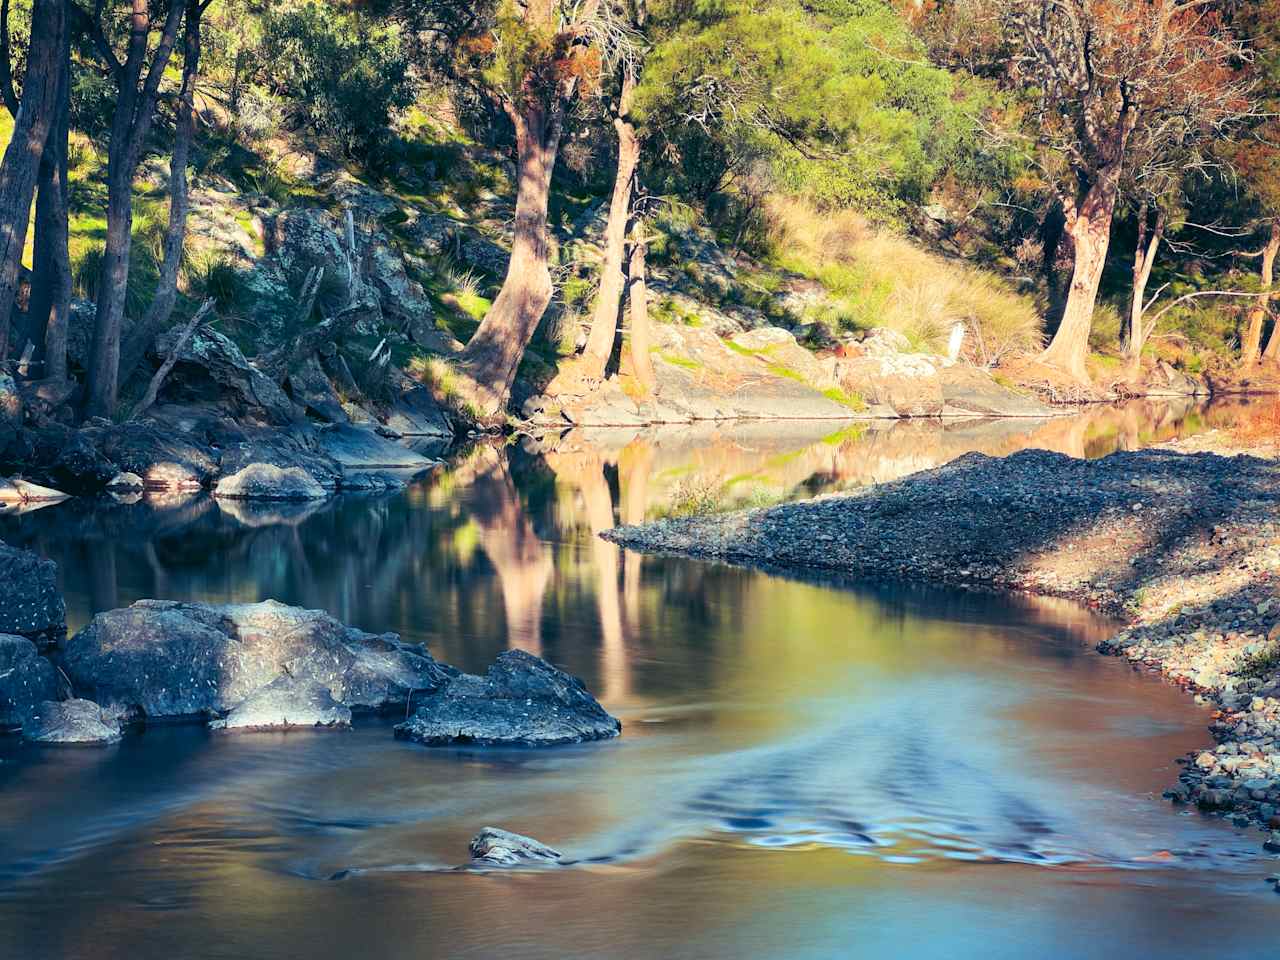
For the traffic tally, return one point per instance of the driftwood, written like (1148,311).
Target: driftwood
(157,381)
(277,363)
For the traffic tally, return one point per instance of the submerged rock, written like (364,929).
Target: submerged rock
(26,680)
(173,661)
(80,722)
(287,704)
(30,604)
(521,701)
(496,847)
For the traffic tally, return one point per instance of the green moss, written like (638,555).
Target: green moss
(851,400)
(678,361)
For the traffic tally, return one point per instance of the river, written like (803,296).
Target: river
(807,769)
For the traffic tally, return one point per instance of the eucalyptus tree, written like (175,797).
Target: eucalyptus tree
(1106,73)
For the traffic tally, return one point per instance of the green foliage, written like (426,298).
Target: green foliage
(835,98)
(341,76)
(214,275)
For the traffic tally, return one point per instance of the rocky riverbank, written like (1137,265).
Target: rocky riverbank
(1186,547)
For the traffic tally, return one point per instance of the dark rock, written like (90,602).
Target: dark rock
(502,848)
(287,704)
(415,413)
(72,722)
(163,459)
(172,661)
(521,701)
(311,388)
(79,466)
(211,367)
(26,680)
(361,449)
(30,604)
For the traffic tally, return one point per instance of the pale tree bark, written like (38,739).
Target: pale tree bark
(20,167)
(130,127)
(520,559)
(1144,257)
(641,335)
(50,305)
(608,306)
(160,311)
(494,352)
(1089,226)
(1253,335)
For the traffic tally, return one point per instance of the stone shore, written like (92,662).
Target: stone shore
(1184,547)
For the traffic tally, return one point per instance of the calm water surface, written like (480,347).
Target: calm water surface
(808,769)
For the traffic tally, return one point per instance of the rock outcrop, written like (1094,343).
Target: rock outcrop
(162,660)
(266,481)
(522,701)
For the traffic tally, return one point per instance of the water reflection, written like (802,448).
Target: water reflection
(790,746)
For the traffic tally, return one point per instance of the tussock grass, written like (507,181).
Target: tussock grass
(878,279)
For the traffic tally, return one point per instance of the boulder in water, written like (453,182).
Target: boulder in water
(26,680)
(74,722)
(175,661)
(30,604)
(266,481)
(287,704)
(521,701)
(502,848)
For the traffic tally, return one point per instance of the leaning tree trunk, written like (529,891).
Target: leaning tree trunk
(604,322)
(50,305)
(494,351)
(1144,258)
(1259,313)
(130,126)
(156,321)
(641,337)
(21,165)
(1089,227)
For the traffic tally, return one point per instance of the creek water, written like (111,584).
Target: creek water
(807,768)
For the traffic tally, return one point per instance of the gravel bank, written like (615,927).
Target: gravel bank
(1185,547)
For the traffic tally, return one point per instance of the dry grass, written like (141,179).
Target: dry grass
(879,279)
(1260,429)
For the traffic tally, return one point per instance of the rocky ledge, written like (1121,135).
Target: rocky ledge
(1184,546)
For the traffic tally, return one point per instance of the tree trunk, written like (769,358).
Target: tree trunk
(1263,307)
(20,167)
(1089,227)
(1144,258)
(608,307)
(130,126)
(495,350)
(160,310)
(50,305)
(641,338)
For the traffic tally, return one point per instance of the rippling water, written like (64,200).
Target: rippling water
(808,769)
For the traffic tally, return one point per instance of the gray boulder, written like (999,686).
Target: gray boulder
(173,661)
(415,413)
(287,704)
(26,680)
(266,481)
(311,388)
(502,848)
(211,364)
(72,722)
(30,603)
(521,701)
(284,450)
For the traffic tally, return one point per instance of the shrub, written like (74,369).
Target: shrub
(216,276)
(340,76)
